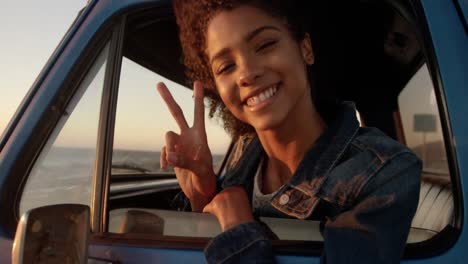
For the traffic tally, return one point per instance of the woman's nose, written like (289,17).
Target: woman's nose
(250,72)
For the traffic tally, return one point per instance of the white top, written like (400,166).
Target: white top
(258,198)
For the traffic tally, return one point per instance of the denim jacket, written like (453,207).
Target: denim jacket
(362,186)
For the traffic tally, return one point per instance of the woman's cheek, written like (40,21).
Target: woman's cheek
(230,96)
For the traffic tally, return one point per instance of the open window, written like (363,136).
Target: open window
(141,194)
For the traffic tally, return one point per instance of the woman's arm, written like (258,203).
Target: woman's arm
(243,240)
(246,243)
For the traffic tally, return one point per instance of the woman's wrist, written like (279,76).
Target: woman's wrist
(204,191)
(198,202)
(231,207)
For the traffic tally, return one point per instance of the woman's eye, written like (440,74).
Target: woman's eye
(225,68)
(266,45)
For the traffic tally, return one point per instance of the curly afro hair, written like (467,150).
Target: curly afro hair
(192,18)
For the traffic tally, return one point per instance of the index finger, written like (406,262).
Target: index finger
(198,94)
(174,108)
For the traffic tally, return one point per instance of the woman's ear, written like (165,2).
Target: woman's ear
(306,50)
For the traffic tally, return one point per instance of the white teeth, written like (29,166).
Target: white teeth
(254,100)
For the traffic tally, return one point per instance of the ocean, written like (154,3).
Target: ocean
(64,175)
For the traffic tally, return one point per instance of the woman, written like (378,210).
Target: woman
(305,162)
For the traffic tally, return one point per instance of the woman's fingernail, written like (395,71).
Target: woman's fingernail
(172,157)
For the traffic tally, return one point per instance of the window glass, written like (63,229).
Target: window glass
(421,123)
(65,168)
(423,134)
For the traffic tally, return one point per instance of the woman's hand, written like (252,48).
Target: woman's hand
(188,152)
(231,207)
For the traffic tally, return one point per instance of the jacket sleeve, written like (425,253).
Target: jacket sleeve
(375,229)
(245,243)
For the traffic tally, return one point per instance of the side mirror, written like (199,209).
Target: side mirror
(53,234)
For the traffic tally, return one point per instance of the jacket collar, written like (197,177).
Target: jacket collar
(328,150)
(317,163)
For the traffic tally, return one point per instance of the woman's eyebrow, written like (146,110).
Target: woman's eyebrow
(219,54)
(259,30)
(247,38)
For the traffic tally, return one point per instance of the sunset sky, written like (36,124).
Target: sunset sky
(29,32)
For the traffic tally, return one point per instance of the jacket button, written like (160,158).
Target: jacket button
(284,199)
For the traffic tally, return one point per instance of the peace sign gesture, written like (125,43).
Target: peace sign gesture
(188,152)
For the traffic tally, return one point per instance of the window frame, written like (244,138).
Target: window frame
(103,166)
(447,238)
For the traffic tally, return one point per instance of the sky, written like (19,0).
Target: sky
(29,33)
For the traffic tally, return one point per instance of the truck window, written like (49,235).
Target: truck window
(423,134)
(140,193)
(64,170)
(142,119)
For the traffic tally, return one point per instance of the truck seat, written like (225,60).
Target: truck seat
(435,208)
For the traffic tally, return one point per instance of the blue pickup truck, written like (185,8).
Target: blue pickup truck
(88,131)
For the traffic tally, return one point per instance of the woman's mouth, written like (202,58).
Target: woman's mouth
(255,102)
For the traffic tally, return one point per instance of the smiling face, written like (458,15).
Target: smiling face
(259,68)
